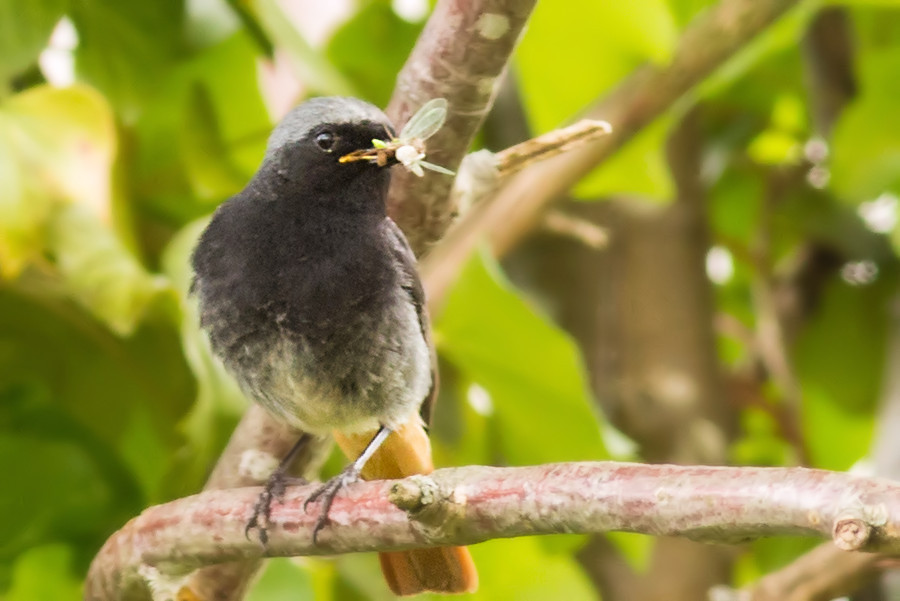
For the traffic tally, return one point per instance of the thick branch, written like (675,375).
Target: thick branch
(474,504)
(643,97)
(459,56)
(255,448)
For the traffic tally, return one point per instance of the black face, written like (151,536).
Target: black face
(334,140)
(310,166)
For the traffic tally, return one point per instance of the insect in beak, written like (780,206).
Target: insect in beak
(408,148)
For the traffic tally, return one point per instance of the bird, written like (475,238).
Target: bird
(309,294)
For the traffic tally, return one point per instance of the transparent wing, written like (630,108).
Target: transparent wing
(437,168)
(427,120)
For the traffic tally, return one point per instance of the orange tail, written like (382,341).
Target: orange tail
(407,451)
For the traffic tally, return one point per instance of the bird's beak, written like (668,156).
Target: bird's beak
(382,156)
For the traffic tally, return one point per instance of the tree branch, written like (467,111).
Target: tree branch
(460,56)
(640,99)
(469,505)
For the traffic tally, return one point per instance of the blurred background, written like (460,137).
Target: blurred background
(724,290)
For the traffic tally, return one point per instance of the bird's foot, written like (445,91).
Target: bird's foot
(327,492)
(262,511)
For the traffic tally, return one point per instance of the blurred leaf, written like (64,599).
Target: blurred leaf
(55,145)
(536,573)
(125,48)
(640,168)
(24,32)
(839,358)
(837,437)
(773,147)
(282,580)
(866,144)
(460,434)
(636,549)
(99,272)
(95,388)
(371,48)
(777,552)
(358,578)
(229,74)
(37,437)
(852,319)
(230,118)
(205,153)
(552,57)
(44,573)
(760,442)
(782,141)
(531,369)
(685,11)
(556,85)
(735,204)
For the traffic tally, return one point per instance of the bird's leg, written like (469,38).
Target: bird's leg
(273,490)
(348,475)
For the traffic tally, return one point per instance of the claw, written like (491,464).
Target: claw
(274,490)
(327,492)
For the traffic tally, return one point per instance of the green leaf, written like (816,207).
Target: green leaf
(125,48)
(208,166)
(773,147)
(370,49)
(44,573)
(855,319)
(837,438)
(538,574)
(226,115)
(530,368)
(556,85)
(640,168)
(116,399)
(866,145)
(55,145)
(839,359)
(282,580)
(44,450)
(99,272)
(636,549)
(556,49)
(25,28)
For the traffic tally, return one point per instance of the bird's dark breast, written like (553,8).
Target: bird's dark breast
(310,318)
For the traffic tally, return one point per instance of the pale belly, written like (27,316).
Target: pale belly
(377,373)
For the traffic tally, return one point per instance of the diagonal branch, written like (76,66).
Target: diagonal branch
(474,504)
(638,101)
(460,56)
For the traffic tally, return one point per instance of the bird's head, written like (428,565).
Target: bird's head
(309,142)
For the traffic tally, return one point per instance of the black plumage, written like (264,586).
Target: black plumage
(307,290)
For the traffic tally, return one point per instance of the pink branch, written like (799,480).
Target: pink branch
(473,504)
(459,56)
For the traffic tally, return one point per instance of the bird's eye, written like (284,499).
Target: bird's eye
(325,141)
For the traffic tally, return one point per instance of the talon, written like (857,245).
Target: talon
(273,491)
(328,492)
(263,508)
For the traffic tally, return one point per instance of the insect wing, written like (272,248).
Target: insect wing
(427,120)
(436,168)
